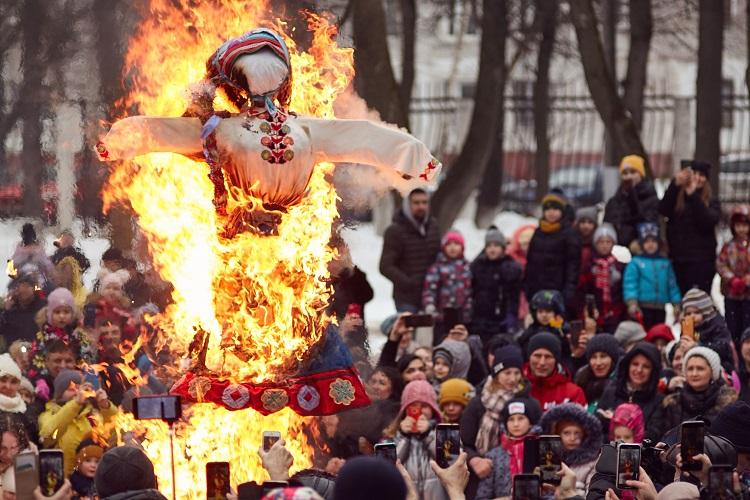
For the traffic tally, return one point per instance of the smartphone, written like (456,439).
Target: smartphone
(691,443)
(451,317)
(576,328)
(720,482)
(590,305)
(269,486)
(26,474)
(92,378)
(550,458)
(163,407)
(685,164)
(269,438)
(418,320)
(414,411)
(527,487)
(687,328)
(447,444)
(89,315)
(530,453)
(628,464)
(217,480)
(386,450)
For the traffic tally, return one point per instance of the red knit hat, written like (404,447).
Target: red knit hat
(659,331)
(453,236)
(419,391)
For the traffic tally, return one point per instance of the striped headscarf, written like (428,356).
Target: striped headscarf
(221,63)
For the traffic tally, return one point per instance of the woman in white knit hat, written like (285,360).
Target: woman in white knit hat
(704,393)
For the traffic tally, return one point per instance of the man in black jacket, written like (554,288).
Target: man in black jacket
(410,245)
(17,320)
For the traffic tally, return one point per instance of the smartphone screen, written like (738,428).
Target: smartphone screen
(628,464)
(687,328)
(530,453)
(217,480)
(720,483)
(447,444)
(451,317)
(691,443)
(418,320)
(526,487)
(590,305)
(550,458)
(269,438)
(26,474)
(157,407)
(386,451)
(576,328)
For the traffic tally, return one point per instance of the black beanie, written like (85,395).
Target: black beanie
(522,406)
(125,468)
(731,424)
(369,478)
(508,356)
(606,343)
(545,340)
(701,166)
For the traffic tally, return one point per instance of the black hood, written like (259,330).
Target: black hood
(652,353)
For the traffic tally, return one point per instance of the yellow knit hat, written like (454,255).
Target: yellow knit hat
(457,390)
(635,162)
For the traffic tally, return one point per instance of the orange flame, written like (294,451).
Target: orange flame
(264,296)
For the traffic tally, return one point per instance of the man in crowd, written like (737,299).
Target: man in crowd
(20,308)
(550,383)
(410,245)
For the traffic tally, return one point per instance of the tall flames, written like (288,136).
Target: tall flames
(265,294)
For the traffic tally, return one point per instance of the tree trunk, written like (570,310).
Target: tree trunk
(609,12)
(33,24)
(374,79)
(747,50)
(641,28)
(601,85)
(547,12)
(465,174)
(708,91)
(408,41)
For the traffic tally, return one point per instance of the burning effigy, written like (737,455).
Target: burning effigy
(233,194)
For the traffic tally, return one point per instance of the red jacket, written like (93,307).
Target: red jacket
(554,389)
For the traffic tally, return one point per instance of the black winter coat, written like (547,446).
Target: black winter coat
(553,262)
(407,253)
(686,404)
(626,209)
(496,285)
(649,398)
(691,234)
(352,288)
(714,334)
(18,323)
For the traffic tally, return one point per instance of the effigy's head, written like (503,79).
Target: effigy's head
(253,65)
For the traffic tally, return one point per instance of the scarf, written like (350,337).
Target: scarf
(12,405)
(549,227)
(697,403)
(602,278)
(489,428)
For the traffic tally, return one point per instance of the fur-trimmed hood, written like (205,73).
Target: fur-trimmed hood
(592,429)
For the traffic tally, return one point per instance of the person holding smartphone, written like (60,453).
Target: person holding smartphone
(703,325)
(693,212)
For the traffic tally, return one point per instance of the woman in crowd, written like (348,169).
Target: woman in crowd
(692,213)
(14,441)
(11,400)
(602,355)
(636,381)
(704,392)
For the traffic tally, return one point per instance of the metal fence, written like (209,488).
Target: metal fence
(577,141)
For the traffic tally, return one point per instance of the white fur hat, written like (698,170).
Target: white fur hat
(9,367)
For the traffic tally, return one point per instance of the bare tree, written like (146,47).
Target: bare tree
(9,29)
(601,84)
(708,85)
(641,29)
(408,42)
(547,22)
(747,42)
(467,170)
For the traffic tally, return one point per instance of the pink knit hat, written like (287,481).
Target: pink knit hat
(419,391)
(60,297)
(453,236)
(628,415)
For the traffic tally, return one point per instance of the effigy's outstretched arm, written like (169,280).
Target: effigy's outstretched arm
(138,135)
(369,143)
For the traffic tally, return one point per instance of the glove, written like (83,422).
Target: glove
(633,310)
(42,389)
(737,286)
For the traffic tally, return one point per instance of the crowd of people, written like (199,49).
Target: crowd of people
(546,332)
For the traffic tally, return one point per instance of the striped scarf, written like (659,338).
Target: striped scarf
(493,400)
(602,279)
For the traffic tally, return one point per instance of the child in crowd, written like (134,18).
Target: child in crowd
(581,435)
(629,333)
(60,323)
(733,266)
(76,412)
(88,455)
(605,279)
(414,434)
(113,301)
(448,284)
(660,335)
(455,394)
(20,351)
(710,328)
(517,249)
(451,359)
(520,418)
(496,285)
(650,282)
(627,424)
(547,310)
(585,225)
